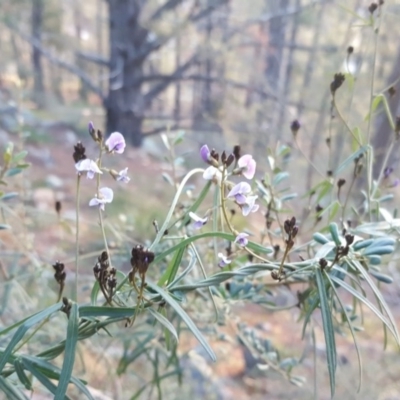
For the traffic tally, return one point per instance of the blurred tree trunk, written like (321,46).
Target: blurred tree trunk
(36,26)
(83,91)
(124,103)
(274,57)
(384,134)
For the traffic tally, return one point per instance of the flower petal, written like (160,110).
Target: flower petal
(205,153)
(116,143)
(240,188)
(248,164)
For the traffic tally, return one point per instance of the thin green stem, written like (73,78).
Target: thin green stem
(307,159)
(344,121)
(384,165)
(161,232)
(78,181)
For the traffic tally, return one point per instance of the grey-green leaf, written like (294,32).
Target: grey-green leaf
(329,332)
(181,312)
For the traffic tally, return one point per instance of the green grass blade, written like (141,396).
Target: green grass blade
(163,321)
(329,332)
(10,390)
(180,311)
(69,354)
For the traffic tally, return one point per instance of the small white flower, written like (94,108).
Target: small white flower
(212,173)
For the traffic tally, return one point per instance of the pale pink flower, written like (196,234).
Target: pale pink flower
(248,166)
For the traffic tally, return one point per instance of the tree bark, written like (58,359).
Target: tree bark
(124,103)
(383,132)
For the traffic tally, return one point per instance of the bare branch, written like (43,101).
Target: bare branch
(154,45)
(57,61)
(94,58)
(277,14)
(194,77)
(169,5)
(166,81)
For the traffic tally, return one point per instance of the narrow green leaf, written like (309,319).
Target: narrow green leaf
(375,103)
(50,386)
(19,334)
(349,160)
(9,196)
(222,235)
(334,231)
(19,156)
(329,332)
(19,369)
(381,277)
(180,311)
(363,299)
(392,326)
(348,320)
(53,372)
(388,113)
(172,268)
(13,171)
(163,321)
(112,312)
(10,390)
(69,354)
(196,204)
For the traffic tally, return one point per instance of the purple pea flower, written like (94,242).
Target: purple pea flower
(249,206)
(224,260)
(123,176)
(106,195)
(205,153)
(239,192)
(241,239)
(198,221)
(116,143)
(248,166)
(88,166)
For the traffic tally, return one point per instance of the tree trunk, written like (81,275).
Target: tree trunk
(124,104)
(37,22)
(383,132)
